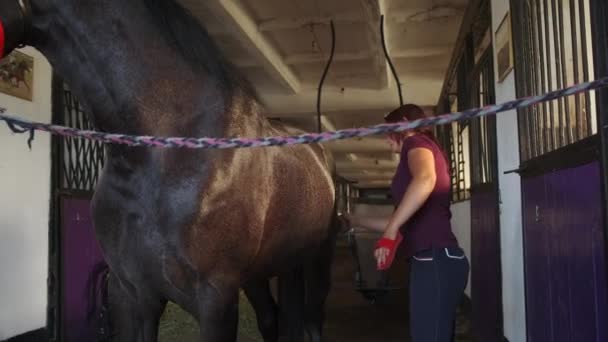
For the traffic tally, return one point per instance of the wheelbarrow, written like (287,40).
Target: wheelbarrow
(369,281)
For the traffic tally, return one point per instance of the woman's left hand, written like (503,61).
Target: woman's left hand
(381,254)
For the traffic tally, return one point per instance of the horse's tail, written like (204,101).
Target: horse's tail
(294,290)
(303,289)
(291,297)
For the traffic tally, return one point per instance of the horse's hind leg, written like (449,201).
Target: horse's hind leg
(318,283)
(266,310)
(134,314)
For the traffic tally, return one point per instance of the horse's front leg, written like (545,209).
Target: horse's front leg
(134,312)
(218,306)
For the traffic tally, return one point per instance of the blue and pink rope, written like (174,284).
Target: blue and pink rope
(23,126)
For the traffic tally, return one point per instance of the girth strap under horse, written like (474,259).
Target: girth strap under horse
(15,23)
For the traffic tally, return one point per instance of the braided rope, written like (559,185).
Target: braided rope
(21,125)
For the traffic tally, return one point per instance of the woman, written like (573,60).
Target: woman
(421,194)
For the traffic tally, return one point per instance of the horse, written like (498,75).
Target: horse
(189,226)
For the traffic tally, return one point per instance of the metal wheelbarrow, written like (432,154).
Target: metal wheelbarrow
(371,283)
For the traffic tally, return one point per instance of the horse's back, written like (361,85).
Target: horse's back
(281,129)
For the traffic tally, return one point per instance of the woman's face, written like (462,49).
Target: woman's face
(395,142)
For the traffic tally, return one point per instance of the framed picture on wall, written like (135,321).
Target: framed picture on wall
(504,47)
(17,75)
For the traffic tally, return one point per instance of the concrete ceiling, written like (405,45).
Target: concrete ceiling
(282,46)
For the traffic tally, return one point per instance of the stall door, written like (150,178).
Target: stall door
(564,256)
(76,264)
(486,279)
(81,257)
(563,228)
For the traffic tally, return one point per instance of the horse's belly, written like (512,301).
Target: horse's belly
(295,229)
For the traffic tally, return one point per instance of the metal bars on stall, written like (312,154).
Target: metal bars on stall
(553,50)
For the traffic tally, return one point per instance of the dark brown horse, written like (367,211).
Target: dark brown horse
(190,226)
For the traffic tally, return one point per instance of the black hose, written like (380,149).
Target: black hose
(331,58)
(390,63)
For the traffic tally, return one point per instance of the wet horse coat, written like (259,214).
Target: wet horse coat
(190,226)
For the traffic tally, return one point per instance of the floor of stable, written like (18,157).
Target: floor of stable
(350,317)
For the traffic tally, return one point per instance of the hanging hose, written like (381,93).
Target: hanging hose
(390,63)
(331,58)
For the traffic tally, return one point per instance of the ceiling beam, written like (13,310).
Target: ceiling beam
(313,58)
(373,184)
(355,173)
(423,51)
(371,12)
(334,114)
(398,16)
(373,112)
(357,169)
(327,125)
(435,12)
(299,22)
(367,177)
(358,146)
(308,58)
(369,165)
(246,30)
(419,89)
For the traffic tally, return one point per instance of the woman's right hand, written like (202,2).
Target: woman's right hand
(374,224)
(348,217)
(346,222)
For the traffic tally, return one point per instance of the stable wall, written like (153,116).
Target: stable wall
(24,210)
(513,293)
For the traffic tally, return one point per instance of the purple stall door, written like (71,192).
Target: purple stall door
(580,251)
(564,256)
(80,255)
(537,262)
(485,261)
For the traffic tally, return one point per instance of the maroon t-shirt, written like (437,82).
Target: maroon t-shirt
(430,226)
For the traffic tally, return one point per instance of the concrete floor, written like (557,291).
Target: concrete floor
(350,317)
